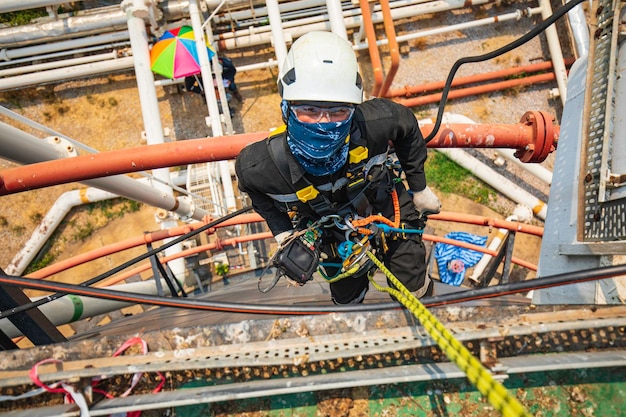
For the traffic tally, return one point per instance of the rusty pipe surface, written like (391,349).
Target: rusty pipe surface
(123,161)
(522,136)
(479,89)
(210,246)
(409,90)
(448,216)
(394,51)
(370,33)
(137,241)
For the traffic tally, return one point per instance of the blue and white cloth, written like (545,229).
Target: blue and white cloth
(453,261)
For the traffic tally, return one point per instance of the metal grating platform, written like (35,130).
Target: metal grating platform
(603,218)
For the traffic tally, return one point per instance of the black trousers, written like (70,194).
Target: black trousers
(405,257)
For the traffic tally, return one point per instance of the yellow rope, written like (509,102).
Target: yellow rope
(476,373)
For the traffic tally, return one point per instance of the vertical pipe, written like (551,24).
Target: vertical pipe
(556,54)
(209,91)
(394,53)
(278,38)
(136,12)
(370,34)
(335,16)
(580,30)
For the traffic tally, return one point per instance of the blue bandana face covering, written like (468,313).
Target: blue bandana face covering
(321,148)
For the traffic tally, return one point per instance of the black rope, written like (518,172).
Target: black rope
(200,304)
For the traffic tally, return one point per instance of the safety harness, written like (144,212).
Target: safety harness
(298,257)
(359,173)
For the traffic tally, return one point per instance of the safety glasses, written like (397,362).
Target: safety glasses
(307,113)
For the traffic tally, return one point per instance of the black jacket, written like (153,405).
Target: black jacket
(375,124)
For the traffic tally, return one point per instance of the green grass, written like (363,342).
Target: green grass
(79,231)
(22,17)
(448,177)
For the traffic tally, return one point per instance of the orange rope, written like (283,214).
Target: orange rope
(376,217)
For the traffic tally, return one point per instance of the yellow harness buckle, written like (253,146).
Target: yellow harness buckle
(358,154)
(307,194)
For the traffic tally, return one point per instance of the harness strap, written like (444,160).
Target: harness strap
(306,192)
(355,180)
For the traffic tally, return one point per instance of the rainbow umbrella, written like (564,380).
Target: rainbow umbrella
(175,55)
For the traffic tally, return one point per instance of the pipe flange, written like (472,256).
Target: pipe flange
(544,137)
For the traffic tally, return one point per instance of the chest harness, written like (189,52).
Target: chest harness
(359,172)
(298,257)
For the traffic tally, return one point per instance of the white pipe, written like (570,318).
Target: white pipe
(227,183)
(59,64)
(278,37)
(23,148)
(71,46)
(580,30)
(516,15)
(335,15)
(537,170)
(50,222)
(64,28)
(556,54)
(72,308)
(214,116)
(136,11)
(257,36)
(260,13)
(69,73)
(61,207)
(14,5)
(497,181)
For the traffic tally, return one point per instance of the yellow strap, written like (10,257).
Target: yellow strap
(476,373)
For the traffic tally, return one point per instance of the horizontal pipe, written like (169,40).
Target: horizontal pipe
(255,218)
(408,91)
(188,252)
(481,89)
(487,221)
(85,167)
(482,249)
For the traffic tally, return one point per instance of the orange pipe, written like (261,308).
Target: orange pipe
(134,242)
(254,218)
(370,33)
(121,161)
(519,136)
(408,91)
(487,221)
(267,235)
(210,246)
(471,91)
(394,52)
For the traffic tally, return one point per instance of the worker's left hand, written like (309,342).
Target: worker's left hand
(426,202)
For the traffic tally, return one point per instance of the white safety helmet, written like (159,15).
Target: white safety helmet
(321,66)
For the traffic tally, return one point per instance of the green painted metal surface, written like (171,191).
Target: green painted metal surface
(597,392)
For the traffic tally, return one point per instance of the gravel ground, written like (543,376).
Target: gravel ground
(104,113)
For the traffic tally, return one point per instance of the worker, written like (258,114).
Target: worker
(194,84)
(330,158)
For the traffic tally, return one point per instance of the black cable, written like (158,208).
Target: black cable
(199,304)
(506,48)
(125,265)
